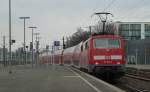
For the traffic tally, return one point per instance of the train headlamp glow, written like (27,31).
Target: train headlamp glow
(96,63)
(116,57)
(118,63)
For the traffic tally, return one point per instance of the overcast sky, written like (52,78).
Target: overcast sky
(58,18)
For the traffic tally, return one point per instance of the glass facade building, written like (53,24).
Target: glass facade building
(133,30)
(147,30)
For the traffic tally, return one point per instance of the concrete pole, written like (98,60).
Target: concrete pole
(145,55)
(103,26)
(4,52)
(136,55)
(10,32)
(32,48)
(24,45)
(37,45)
(32,44)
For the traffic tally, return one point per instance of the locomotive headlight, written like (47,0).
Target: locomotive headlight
(96,63)
(118,63)
(116,57)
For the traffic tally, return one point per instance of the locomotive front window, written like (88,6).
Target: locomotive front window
(106,43)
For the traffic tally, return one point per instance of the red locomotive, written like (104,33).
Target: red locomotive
(100,54)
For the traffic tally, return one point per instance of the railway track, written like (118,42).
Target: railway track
(141,73)
(130,88)
(137,77)
(132,83)
(133,89)
(126,83)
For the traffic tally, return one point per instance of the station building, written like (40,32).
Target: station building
(137,35)
(133,30)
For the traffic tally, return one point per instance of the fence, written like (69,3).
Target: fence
(138,51)
(17,58)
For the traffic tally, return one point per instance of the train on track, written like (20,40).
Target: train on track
(100,54)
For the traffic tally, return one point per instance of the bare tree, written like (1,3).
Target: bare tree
(81,35)
(110,28)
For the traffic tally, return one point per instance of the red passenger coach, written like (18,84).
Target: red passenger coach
(52,58)
(58,57)
(68,54)
(45,58)
(76,55)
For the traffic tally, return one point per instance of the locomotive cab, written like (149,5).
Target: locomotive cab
(107,55)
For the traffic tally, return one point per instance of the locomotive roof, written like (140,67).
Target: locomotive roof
(106,36)
(70,50)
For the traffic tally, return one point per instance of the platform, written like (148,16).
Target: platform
(143,67)
(52,78)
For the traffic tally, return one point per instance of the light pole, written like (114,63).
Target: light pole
(32,41)
(26,54)
(4,51)
(10,32)
(24,45)
(37,46)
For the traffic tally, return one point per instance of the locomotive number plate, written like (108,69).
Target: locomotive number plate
(108,62)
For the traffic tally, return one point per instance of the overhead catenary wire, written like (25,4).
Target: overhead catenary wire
(134,9)
(145,17)
(130,10)
(109,5)
(135,13)
(146,14)
(97,4)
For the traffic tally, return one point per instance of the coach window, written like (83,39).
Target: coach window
(81,47)
(86,45)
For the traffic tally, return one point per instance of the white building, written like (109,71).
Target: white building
(133,30)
